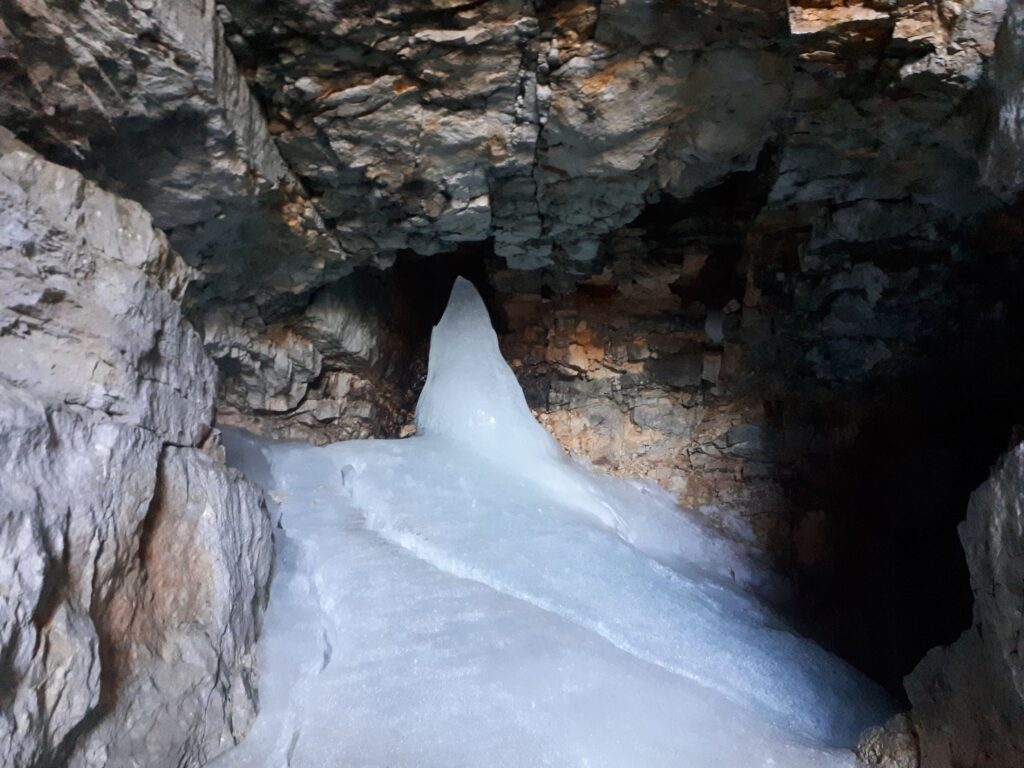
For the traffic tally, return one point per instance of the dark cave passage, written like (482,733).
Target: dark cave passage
(899,583)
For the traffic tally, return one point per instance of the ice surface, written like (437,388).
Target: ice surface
(472,597)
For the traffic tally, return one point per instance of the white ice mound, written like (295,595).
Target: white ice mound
(471,395)
(473,399)
(471,597)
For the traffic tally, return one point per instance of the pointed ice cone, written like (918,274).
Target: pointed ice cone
(471,395)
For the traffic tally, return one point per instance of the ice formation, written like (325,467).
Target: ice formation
(472,597)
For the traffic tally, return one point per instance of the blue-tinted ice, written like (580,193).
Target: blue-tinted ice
(473,597)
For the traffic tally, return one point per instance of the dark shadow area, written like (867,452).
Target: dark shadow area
(888,461)
(420,286)
(717,221)
(423,283)
(899,583)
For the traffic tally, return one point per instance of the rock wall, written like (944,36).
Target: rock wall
(383,130)
(737,367)
(410,126)
(968,698)
(144,98)
(134,564)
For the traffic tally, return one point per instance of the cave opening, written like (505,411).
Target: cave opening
(899,584)
(422,285)
(722,311)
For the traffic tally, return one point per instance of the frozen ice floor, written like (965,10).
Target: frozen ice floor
(470,597)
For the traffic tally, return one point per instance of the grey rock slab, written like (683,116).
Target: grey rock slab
(147,99)
(88,303)
(133,566)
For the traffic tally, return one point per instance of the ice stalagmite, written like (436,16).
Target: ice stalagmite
(471,395)
(472,597)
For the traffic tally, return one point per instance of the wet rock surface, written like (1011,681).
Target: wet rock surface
(134,566)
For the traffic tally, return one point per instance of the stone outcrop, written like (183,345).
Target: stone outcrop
(331,372)
(146,99)
(892,745)
(540,126)
(710,356)
(134,564)
(546,126)
(543,127)
(885,111)
(1003,158)
(968,698)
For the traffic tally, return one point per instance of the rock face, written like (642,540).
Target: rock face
(134,565)
(542,126)
(710,356)
(417,126)
(1003,159)
(145,98)
(893,745)
(546,126)
(540,129)
(968,698)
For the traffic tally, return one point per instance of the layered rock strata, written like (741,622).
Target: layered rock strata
(134,565)
(540,128)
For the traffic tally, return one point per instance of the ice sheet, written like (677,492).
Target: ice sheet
(472,597)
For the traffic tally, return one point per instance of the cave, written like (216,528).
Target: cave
(713,299)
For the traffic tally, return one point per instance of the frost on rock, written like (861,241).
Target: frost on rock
(471,596)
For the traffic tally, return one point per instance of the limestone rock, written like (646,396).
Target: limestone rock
(85,321)
(323,370)
(542,128)
(883,145)
(134,566)
(403,126)
(268,368)
(1003,158)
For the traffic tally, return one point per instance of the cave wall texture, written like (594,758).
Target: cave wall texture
(758,251)
(134,565)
